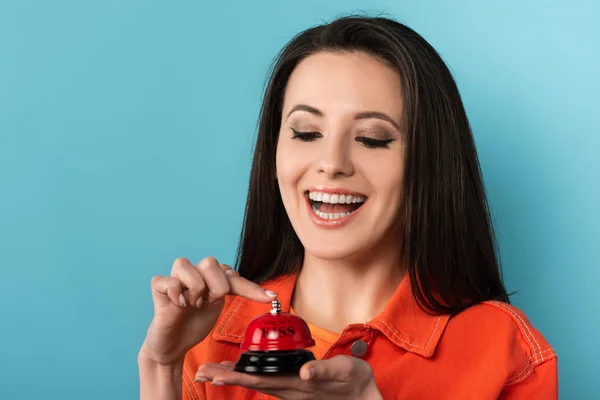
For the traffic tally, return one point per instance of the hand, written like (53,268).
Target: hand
(340,377)
(187,304)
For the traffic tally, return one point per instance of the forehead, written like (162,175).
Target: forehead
(338,82)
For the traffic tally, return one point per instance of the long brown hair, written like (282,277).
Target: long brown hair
(448,243)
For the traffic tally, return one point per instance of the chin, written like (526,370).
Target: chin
(334,250)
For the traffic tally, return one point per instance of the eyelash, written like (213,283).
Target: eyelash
(374,143)
(366,141)
(305,136)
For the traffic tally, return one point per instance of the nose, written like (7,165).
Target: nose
(335,160)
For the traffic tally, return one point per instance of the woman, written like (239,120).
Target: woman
(367,217)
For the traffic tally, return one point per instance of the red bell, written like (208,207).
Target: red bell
(275,344)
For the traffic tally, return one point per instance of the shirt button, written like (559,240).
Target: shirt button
(358,348)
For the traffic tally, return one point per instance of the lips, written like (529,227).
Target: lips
(333,207)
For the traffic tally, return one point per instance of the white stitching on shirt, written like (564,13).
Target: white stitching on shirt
(188,387)
(410,344)
(526,326)
(336,343)
(232,335)
(522,325)
(397,337)
(525,370)
(229,320)
(434,330)
(537,357)
(517,378)
(193,384)
(500,306)
(371,334)
(529,368)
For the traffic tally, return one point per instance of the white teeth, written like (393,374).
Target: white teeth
(331,215)
(335,198)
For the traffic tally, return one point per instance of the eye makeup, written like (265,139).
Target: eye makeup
(374,137)
(305,136)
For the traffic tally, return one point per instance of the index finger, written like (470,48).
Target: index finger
(250,290)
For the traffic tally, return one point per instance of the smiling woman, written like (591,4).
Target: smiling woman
(366,217)
(355,148)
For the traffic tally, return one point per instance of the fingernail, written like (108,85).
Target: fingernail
(200,379)
(217,383)
(232,272)
(199,302)
(311,373)
(181,300)
(270,293)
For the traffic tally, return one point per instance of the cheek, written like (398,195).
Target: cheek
(292,161)
(386,176)
(290,166)
(284,167)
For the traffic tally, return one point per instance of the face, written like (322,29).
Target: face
(340,155)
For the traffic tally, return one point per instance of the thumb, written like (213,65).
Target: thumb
(339,368)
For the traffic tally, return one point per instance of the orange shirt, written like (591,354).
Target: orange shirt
(488,351)
(323,338)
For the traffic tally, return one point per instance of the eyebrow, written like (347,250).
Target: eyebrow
(377,115)
(360,115)
(304,107)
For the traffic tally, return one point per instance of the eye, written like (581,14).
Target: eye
(305,136)
(374,143)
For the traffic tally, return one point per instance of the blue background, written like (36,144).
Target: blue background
(125,139)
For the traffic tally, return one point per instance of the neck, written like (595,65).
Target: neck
(333,294)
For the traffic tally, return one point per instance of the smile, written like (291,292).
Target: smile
(333,207)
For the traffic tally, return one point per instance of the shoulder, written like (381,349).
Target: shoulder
(506,322)
(503,334)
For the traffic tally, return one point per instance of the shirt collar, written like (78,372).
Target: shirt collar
(402,321)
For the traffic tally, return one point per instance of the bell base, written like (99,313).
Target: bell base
(273,362)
